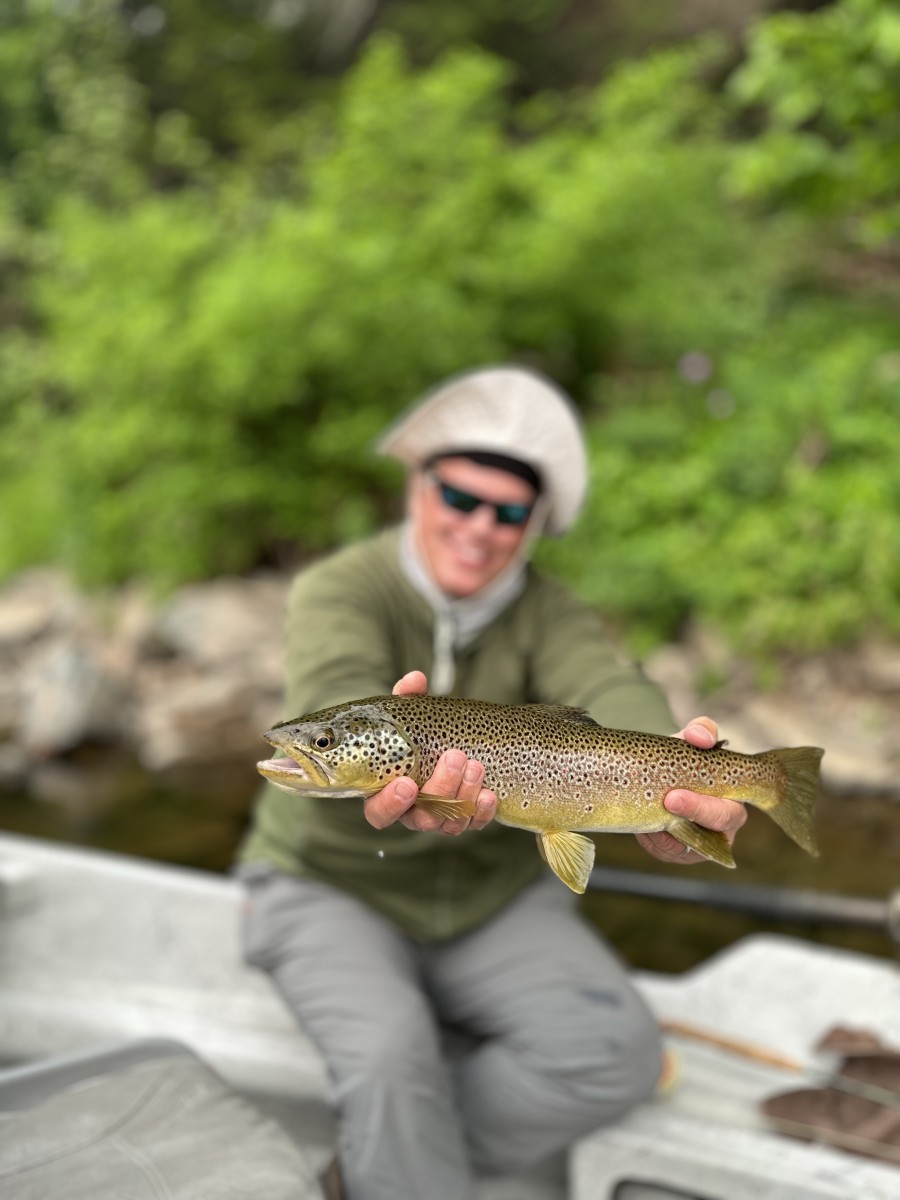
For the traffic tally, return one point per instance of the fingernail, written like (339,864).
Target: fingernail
(405,789)
(455,760)
(472,773)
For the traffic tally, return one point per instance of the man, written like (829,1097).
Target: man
(379,922)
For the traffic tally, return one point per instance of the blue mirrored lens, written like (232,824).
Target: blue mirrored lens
(465,502)
(512,514)
(461,501)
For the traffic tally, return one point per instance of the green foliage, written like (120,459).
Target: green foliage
(779,521)
(828,84)
(227,358)
(71,116)
(197,348)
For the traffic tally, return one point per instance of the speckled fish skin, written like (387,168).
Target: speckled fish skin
(555,771)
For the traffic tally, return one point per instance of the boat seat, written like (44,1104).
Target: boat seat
(143,1120)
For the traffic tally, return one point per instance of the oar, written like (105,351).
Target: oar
(743,1049)
(773,1058)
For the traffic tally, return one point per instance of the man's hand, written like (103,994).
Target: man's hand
(712,812)
(455,776)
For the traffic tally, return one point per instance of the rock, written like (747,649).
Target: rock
(879,666)
(846,702)
(188,681)
(196,720)
(231,623)
(196,680)
(134,635)
(33,604)
(226,642)
(67,697)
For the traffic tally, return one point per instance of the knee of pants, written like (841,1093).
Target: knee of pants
(608,1068)
(401,1052)
(641,1062)
(624,1067)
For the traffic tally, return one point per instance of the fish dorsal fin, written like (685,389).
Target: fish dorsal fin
(565,712)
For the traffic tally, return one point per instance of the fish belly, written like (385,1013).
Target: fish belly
(585,811)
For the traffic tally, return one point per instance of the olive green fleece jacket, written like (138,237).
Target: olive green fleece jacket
(355,625)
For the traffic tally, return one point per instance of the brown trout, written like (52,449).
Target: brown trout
(555,771)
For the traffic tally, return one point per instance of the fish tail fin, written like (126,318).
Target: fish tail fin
(795,794)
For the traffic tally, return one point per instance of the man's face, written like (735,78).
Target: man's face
(465,551)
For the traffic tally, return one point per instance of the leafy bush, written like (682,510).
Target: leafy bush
(202,347)
(227,356)
(828,85)
(765,499)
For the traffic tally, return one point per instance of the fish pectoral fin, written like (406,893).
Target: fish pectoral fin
(446,806)
(569,855)
(707,842)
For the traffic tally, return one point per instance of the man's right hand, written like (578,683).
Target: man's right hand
(455,776)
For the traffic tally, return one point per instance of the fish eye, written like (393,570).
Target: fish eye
(323,739)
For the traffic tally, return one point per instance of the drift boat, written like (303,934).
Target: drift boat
(125,1000)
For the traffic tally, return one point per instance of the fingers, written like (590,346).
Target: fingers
(472,787)
(486,802)
(725,816)
(391,803)
(413,683)
(700,731)
(667,849)
(712,812)
(455,776)
(460,777)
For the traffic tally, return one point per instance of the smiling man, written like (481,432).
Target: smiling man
(467,538)
(378,921)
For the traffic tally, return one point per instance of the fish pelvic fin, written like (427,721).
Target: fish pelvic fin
(707,842)
(569,855)
(446,806)
(796,793)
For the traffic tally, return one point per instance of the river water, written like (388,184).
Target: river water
(195,817)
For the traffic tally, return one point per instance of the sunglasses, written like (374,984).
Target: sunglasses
(465,502)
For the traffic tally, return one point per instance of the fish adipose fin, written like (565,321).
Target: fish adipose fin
(707,842)
(446,806)
(569,855)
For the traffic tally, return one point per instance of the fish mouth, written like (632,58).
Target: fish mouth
(283,766)
(296,773)
(308,779)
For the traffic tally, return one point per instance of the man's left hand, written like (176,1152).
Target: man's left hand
(712,812)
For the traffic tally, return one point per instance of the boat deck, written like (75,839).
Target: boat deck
(97,948)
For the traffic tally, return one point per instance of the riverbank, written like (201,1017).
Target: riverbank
(193,679)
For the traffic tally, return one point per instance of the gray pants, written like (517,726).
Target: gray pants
(564,1043)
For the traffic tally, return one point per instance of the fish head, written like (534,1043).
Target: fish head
(351,751)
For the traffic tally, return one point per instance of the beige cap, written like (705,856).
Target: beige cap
(506,410)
